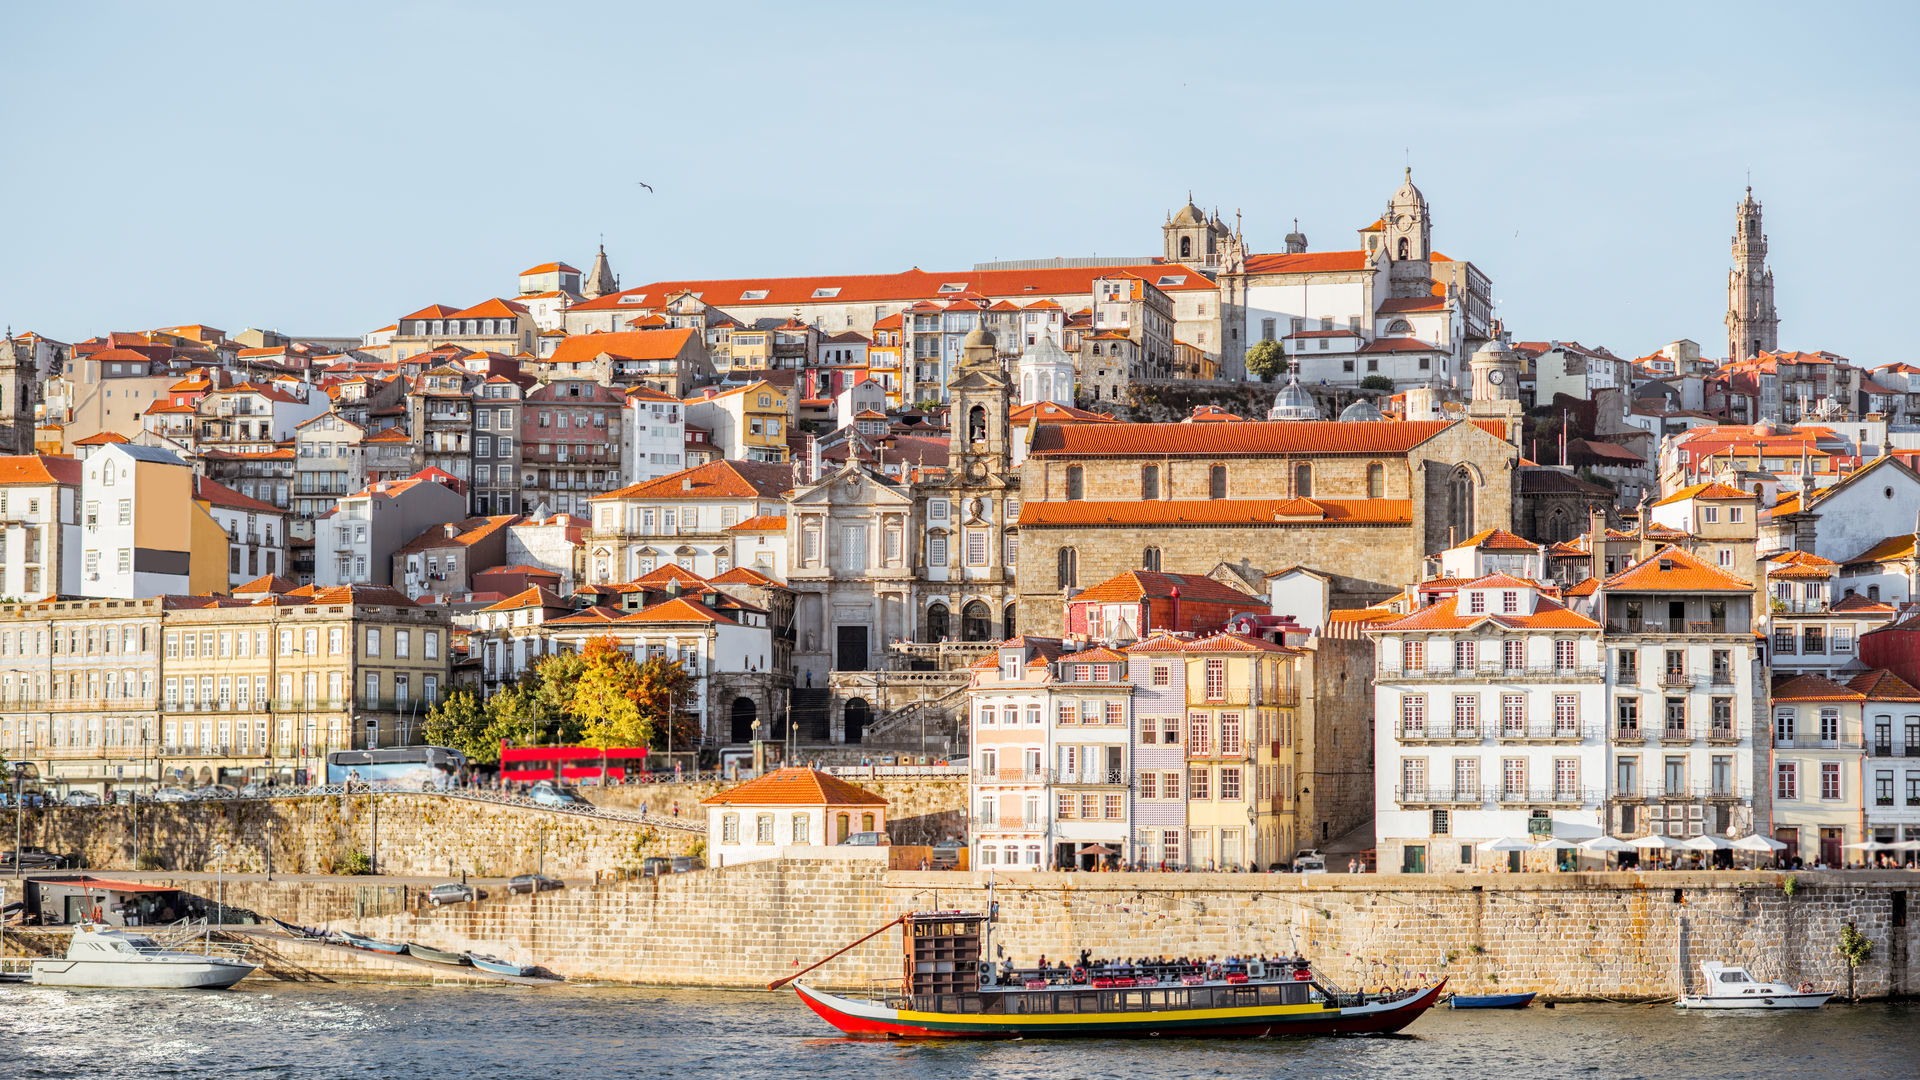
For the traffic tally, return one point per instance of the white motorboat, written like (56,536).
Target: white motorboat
(1730,987)
(101,957)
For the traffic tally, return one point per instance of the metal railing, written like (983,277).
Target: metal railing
(498,798)
(1542,731)
(1492,670)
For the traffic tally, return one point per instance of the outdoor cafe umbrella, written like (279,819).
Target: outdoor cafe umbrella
(1656,842)
(1708,842)
(1604,845)
(1507,843)
(1754,842)
(1867,845)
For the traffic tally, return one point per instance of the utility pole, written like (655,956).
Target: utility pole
(373,855)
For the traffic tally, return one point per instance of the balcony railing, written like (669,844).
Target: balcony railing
(1542,731)
(1896,750)
(1675,678)
(1425,733)
(1656,792)
(1628,733)
(1013,775)
(1492,670)
(1102,776)
(1557,796)
(1817,744)
(1438,796)
(1676,733)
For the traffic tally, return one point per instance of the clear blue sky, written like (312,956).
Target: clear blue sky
(323,169)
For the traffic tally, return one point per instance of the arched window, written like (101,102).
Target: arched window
(977,424)
(1558,527)
(1376,481)
(1067,569)
(1303,480)
(1212,243)
(1460,505)
(1007,624)
(1186,247)
(1399,326)
(1076,482)
(1405,247)
(1150,559)
(1217,482)
(1149,481)
(1873,592)
(937,622)
(976,622)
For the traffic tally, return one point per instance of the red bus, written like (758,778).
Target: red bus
(565,763)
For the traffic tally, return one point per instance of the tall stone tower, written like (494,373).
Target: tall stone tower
(1752,325)
(1408,229)
(19,388)
(600,280)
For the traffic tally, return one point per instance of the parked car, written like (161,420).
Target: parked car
(172,794)
(82,798)
(32,859)
(868,839)
(1309,861)
(546,794)
(946,855)
(215,791)
(655,865)
(533,883)
(453,892)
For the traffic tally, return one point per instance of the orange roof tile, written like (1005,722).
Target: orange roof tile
(1584,588)
(761,523)
(1883,686)
(678,609)
(742,575)
(1499,540)
(270,583)
(219,494)
(548,268)
(1673,570)
(1135,585)
(1888,550)
(1054,412)
(1220,512)
(39,469)
(724,479)
(597,614)
(623,345)
(1226,642)
(466,534)
(1713,489)
(1859,602)
(1548,614)
(795,786)
(668,573)
(1253,437)
(532,596)
(1814,688)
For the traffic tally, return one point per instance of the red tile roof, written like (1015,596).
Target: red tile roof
(741,575)
(1220,512)
(270,583)
(1673,570)
(534,596)
(724,479)
(1253,437)
(1442,615)
(667,574)
(548,268)
(1054,412)
(39,469)
(1710,490)
(466,534)
(1225,642)
(1307,262)
(624,345)
(1499,540)
(1136,585)
(678,609)
(219,494)
(1859,602)
(1412,303)
(1814,688)
(1888,550)
(1883,686)
(911,285)
(795,787)
(103,438)
(761,523)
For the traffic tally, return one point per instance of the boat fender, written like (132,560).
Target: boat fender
(1256,969)
(1079,976)
(1213,971)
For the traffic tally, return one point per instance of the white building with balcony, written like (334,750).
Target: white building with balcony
(1891,719)
(1681,685)
(1489,707)
(1812,627)
(1051,780)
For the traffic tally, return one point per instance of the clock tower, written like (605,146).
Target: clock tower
(981,498)
(1495,387)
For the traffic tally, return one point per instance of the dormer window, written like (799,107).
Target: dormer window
(1476,603)
(1666,564)
(1510,602)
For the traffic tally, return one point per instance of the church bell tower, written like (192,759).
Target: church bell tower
(1752,325)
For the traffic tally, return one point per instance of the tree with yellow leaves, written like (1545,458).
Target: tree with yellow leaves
(622,703)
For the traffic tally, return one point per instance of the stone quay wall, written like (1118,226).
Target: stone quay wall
(920,810)
(1612,935)
(418,833)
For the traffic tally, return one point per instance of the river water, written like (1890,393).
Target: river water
(431,1033)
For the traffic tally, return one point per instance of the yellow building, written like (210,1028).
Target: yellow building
(189,690)
(1242,694)
(749,423)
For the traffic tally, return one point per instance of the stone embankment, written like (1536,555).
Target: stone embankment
(1614,935)
(920,810)
(406,832)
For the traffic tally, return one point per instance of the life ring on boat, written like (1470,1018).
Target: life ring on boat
(1213,971)
(1079,976)
(1806,988)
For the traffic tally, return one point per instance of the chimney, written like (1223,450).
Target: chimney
(1176,607)
(686,483)
(452,530)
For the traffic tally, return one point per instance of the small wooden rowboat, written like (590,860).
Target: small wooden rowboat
(499,966)
(438,956)
(1490,1001)
(369,944)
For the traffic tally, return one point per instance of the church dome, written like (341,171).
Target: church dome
(1293,403)
(979,336)
(1493,351)
(1190,214)
(1360,412)
(1044,351)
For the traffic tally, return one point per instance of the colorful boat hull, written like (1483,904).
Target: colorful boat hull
(1490,1001)
(873,1019)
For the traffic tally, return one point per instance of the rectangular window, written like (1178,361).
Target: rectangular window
(1064,714)
(1149,785)
(1413,776)
(1162,675)
(1216,680)
(1413,716)
(402,644)
(976,547)
(1563,654)
(1199,733)
(1464,656)
(1566,777)
(1170,785)
(1230,783)
(1513,777)
(1116,712)
(1566,715)
(1466,778)
(373,641)
(1513,715)
(1477,602)
(1197,778)
(1466,716)
(1413,655)
(1830,780)
(1513,653)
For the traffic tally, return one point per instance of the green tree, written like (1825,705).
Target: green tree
(1265,360)
(1855,948)
(1377,382)
(664,689)
(463,723)
(554,678)
(606,698)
